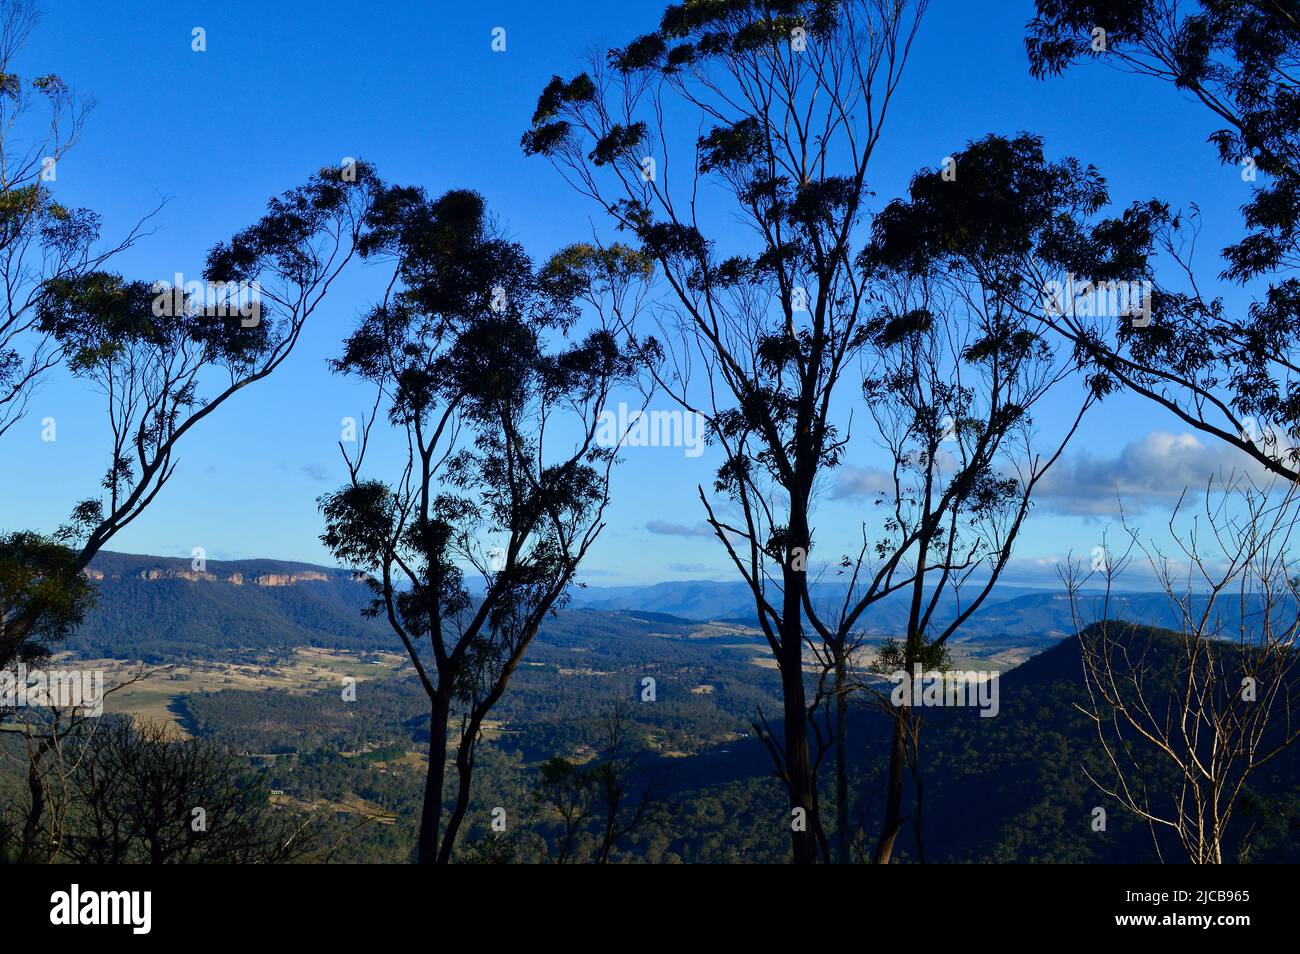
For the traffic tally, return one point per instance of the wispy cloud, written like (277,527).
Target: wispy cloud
(666,529)
(852,482)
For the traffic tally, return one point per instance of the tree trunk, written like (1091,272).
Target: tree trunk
(32,823)
(894,798)
(841,760)
(797,764)
(918,825)
(431,811)
(465,774)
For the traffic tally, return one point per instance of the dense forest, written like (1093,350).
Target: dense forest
(1012,788)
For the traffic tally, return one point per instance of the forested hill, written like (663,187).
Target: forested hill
(159,608)
(1012,788)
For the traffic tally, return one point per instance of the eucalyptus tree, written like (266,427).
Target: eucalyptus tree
(41,239)
(1009,242)
(500,419)
(163,359)
(790,98)
(42,590)
(956,380)
(1226,371)
(584,811)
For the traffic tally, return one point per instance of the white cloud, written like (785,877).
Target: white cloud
(1153,471)
(853,482)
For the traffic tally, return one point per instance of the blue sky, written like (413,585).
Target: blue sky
(416,89)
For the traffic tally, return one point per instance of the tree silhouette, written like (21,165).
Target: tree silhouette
(460,357)
(163,361)
(1225,373)
(791,97)
(145,794)
(41,240)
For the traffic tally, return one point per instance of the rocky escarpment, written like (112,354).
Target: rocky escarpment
(263,573)
(159,608)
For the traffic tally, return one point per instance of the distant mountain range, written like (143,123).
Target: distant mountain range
(1009,610)
(156,606)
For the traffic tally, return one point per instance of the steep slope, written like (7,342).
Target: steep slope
(158,608)
(1011,788)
